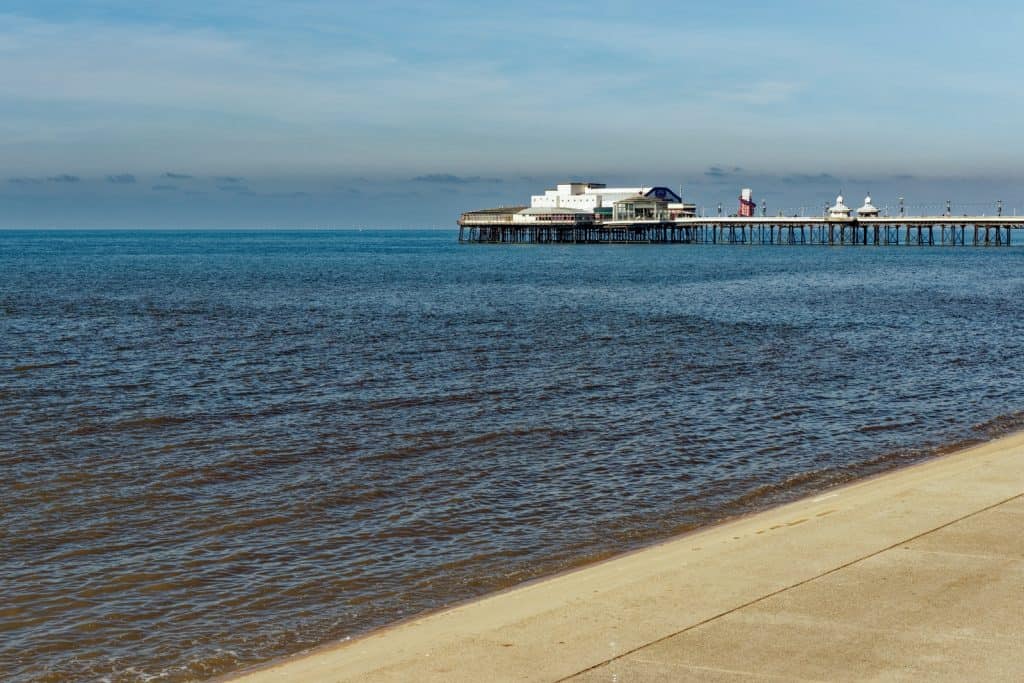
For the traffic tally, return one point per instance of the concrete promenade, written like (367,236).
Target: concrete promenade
(913,575)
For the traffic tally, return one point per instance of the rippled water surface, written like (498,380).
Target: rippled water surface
(223,447)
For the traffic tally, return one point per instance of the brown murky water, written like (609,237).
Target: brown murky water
(219,448)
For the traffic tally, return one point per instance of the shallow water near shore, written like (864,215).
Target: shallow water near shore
(224,447)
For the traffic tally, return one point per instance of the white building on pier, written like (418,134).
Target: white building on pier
(552,214)
(599,198)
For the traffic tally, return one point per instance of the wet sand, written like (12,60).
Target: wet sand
(912,574)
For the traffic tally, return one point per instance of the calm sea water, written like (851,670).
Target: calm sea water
(223,447)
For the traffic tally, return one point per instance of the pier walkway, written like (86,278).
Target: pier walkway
(913,575)
(995,231)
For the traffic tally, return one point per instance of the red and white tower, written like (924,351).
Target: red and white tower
(747,205)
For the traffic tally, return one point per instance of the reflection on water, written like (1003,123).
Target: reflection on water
(220,448)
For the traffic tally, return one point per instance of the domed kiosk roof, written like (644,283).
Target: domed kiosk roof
(840,210)
(868,209)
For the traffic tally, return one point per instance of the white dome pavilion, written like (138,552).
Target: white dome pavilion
(869,210)
(840,210)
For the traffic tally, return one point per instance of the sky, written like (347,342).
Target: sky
(403,114)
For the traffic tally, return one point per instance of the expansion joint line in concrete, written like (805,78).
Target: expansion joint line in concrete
(789,588)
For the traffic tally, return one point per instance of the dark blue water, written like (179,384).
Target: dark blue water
(223,447)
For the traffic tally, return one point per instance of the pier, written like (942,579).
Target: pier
(592,213)
(927,231)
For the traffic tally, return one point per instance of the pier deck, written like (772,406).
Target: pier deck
(978,231)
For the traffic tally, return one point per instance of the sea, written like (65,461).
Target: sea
(224,447)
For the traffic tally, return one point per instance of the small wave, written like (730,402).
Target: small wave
(767,492)
(884,427)
(795,411)
(402,452)
(417,401)
(137,424)
(239,527)
(151,422)
(85,430)
(483,439)
(954,446)
(29,367)
(1003,424)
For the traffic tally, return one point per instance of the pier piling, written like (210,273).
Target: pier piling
(501,228)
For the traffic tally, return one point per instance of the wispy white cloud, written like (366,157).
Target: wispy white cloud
(761,92)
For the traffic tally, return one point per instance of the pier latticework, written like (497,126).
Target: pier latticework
(978,231)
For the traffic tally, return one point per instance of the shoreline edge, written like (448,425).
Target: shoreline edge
(596,619)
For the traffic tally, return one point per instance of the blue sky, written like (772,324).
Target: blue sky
(387,113)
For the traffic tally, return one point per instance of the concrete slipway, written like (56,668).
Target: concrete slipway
(916,575)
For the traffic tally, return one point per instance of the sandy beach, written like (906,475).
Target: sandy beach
(913,574)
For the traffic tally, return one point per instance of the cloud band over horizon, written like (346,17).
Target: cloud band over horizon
(452,99)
